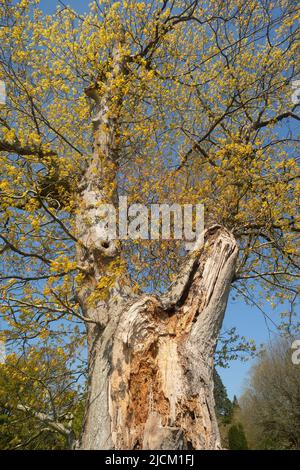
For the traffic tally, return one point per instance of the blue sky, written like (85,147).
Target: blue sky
(249,321)
(49,6)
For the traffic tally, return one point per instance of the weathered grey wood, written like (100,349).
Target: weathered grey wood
(151,380)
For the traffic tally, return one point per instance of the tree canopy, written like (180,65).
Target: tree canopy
(200,111)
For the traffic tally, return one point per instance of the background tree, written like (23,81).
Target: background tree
(41,402)
(237,438)
(224,407)
(163,102)
(229,417)
(270,403)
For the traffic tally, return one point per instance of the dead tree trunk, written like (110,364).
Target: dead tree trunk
(150,360)
(150,381)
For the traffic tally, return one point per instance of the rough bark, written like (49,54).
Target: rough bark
(150,360)
(151,368)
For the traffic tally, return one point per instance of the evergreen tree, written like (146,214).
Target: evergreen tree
(237,438)
(235,402)
(223,405)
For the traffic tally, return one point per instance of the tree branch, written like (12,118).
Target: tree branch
(280,117)
(68,433)
(23,253)
(19,149)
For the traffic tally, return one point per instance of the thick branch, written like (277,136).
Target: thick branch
(176,293)
(274,120)
(219,264)
(54,425)
(24,150)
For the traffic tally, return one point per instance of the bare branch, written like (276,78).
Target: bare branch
(280,117)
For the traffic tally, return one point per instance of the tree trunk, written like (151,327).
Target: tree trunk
(151,368)
(150,360)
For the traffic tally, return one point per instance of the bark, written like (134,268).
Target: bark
(151,368)
(150,380)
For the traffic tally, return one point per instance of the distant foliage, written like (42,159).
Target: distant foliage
(237,438)
(270,406)
(38,391)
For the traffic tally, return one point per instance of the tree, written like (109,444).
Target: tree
(40,401)
(236,437)
(235,402)
(224,407)
(229,417)
(270,404)
(187,103)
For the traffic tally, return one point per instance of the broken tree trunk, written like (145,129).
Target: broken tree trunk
(150,360)
(151,368)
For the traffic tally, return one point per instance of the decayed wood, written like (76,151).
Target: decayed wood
(152,378)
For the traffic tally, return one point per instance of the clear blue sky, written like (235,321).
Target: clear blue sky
(249,321)
(49,6)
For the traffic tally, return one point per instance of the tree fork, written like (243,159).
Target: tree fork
(151,385)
